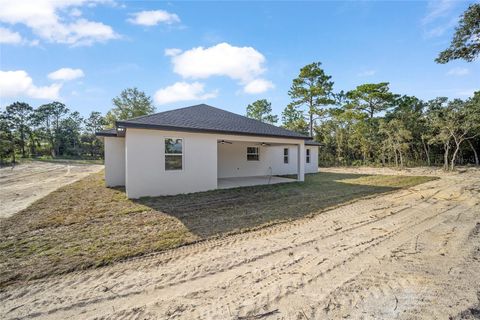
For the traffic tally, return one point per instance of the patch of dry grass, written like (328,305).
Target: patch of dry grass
(85,225)
(79,226)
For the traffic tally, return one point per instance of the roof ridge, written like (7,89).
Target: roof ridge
(157,113)
(205,117)
(236,114)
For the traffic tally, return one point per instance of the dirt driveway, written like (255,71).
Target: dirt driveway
(25,183)
(410,254)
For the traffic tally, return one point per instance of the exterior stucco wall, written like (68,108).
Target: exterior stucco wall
(232,160)
(145,173)
(145,163)
(276,159)
(114,161)
(280,168)
(312,167)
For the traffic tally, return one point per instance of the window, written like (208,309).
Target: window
(252,154)
(307,158)
(173,154)
(285,155)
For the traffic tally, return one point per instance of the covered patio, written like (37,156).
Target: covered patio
(235,182)
(250,161)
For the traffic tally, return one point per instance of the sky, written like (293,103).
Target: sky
(226,54)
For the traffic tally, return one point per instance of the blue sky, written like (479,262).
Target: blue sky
(226,54)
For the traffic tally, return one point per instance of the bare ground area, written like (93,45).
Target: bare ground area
(408,254)
(23,184)
(85,225)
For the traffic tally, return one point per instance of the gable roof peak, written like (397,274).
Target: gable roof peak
(206,118)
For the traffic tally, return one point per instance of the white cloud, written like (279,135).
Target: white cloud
(154,17)
(51,21)
(437,9)
(75,12)
(183,91)
(458,71)
(244,64)
(258,86)
(66,74)
(18,83)
(240,63)
(367,73)
(439,17)
(8,36)
(170,52)
(440,29)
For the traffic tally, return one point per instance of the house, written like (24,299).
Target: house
(201,148)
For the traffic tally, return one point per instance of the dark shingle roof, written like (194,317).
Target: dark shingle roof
(312,143)
(205,118)
(106,133)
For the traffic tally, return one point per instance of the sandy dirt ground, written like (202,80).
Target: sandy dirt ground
(409,254)
(25,183)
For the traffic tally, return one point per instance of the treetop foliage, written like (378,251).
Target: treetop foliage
(129,104)
(466,40)
(261,110)
(371,98)
(312,89)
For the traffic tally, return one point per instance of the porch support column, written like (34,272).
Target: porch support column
(301,162)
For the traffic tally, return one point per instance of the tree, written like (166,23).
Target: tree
(474,104)
(292,119)
(7,141)
(19,114)
(454,122)
(58,110)
(409,110)
(49,119)
(70,129)
(261,110)
(397,138)
(437,115)
(463,123)
(42,117)
(51,127)
(371,98)
(313,89)
(466,41)
(93,123)
(129,104)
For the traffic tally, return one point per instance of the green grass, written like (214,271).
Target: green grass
(63,160)
(86,225)
(69,160)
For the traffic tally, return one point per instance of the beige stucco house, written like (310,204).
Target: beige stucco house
(201,148)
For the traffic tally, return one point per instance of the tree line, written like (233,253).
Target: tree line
(53,130)
(372,125)
(50,130)
(366,125)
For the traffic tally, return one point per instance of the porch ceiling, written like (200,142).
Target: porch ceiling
(259,142)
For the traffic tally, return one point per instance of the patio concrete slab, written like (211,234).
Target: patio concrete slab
(226,183)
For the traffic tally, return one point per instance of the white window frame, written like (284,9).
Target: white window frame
(307,155)
(173,154)
(254,154)
(286,157)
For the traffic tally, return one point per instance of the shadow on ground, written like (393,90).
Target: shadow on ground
(222,211)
